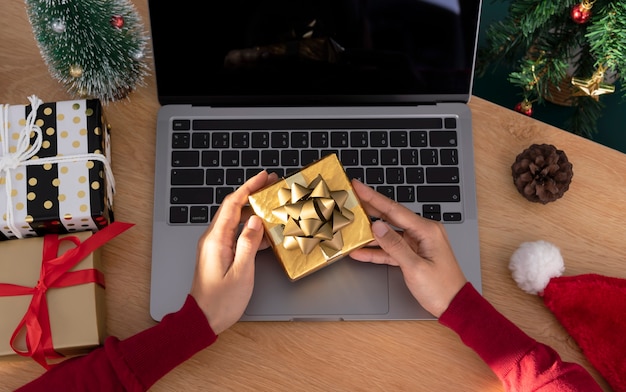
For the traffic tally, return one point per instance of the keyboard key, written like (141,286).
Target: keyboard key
(270,158)
(215,177)
(339,139)
(290,158)
(250,158)
(452,217)
(405,194)
(378,139)
(450,122)
(418,138)
(185,158)
(443,139)
(358,139)
(428,156)
(179,214)
(398,139)
(241,139)
(442,175)
(200,140)
(431,208)
(180,140)
(389,157)
(394,175)
(210,158)
(230,158)
(220,140)
(449,156)
(188,195)
(309,156)
(374,175)
(260,139)
(319,139)
(199,214)
(356,173)
(431,211)
(235,176)
(181,125)
(349,157)
(369,157)
(328,152)
(187,177)
(221,192)
(441,194)
(280,139)
(409,157)
(299,140)
(415,175)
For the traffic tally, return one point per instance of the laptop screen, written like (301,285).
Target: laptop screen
(294,52)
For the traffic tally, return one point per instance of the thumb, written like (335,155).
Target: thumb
(392,243)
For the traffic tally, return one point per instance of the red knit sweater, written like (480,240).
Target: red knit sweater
(138,362)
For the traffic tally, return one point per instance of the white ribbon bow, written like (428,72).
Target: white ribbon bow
(24,151)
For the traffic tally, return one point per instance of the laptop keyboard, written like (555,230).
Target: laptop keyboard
(418,167)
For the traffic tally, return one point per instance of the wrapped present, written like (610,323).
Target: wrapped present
(52,294)
(312,218)
(55,174)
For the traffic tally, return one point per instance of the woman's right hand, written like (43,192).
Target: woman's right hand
(420,248)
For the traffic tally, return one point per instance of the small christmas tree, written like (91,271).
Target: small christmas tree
(560,47)
(95,48)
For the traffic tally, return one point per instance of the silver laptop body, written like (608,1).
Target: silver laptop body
(330,77)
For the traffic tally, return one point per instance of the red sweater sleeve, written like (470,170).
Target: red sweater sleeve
(136,363)
(520,362)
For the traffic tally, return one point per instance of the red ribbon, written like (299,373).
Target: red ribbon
(55,272)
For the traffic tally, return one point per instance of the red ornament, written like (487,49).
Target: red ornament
(525,107)
(117,21)
(581,12)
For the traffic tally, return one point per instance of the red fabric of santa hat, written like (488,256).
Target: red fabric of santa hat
(591,307)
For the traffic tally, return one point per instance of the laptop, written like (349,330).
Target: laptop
(277,84)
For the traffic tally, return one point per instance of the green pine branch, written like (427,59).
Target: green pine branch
(95,48)
(542,45)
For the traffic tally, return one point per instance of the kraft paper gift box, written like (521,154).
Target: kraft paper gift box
(70,312)
(55,174)
(312,218)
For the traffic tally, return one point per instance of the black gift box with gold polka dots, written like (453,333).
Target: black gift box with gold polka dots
(55,173)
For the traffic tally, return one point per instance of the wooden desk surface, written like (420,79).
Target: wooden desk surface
(587,224)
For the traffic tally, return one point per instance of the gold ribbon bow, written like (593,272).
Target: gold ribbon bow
(313,215)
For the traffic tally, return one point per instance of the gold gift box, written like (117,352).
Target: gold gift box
(304,253)
(77,313)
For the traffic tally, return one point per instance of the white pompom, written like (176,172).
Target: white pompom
(533,264)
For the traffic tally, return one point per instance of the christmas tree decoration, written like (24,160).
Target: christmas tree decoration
(525,107)
(593,87)
(582,12)
(542,173)
(95,48)
(549,44)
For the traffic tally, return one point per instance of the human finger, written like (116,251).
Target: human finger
(229,213)
(380,206)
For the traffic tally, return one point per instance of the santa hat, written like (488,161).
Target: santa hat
(590,307)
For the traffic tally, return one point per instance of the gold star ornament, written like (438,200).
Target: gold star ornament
(594,86)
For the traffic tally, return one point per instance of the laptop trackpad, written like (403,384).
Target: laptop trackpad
(346,287)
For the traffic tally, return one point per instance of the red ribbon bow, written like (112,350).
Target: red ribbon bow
(55,272)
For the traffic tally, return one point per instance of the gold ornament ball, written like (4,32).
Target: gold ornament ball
(76,71)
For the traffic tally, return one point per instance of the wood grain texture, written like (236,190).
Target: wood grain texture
(587,224)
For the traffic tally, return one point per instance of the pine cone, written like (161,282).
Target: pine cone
(541,173)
